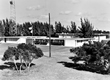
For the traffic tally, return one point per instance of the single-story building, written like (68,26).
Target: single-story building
(76,42)
(69,42)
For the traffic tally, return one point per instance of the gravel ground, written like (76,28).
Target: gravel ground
(49,69)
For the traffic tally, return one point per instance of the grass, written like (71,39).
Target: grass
(49,69)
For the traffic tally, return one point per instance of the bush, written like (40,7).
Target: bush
(32,49)
(108,43)
(96,54)
(11,54)
(23,52)
(74,49)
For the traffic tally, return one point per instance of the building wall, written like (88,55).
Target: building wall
(99,38)
(14,40)
(74,42)
(70,43)
(29,41)
(22,40)
(65,36)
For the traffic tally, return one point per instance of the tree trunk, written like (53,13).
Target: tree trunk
(30,64)
(26,64)
(16,66)
(108,67)
(20,65)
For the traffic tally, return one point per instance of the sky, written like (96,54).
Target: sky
(65,11)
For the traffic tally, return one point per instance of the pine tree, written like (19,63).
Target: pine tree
(86,29)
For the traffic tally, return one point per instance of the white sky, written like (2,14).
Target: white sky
(65,11)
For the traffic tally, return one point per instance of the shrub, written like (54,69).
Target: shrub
(74,49)
(108,43)
(29,52)
(97,53)
(11,54)
(32,49)
(23,52)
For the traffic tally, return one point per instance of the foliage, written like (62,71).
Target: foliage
(25,29)
(31,48)
(58,27)
(100,31)
(108,43)
(73,27)
(54,35)
(74,49)
(1,29)
(23,52)
(86,29)
(11,54)
(6,24)
(96,53)
(42,29)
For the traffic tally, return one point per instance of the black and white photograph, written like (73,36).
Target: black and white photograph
(54,39)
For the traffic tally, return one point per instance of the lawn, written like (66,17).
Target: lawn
(50,68)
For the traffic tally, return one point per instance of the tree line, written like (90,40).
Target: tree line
(42,29)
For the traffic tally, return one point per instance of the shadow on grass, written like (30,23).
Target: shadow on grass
(11,65)
(90,67)
(4,67)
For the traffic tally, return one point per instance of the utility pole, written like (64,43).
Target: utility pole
(49,37)
(32,36)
